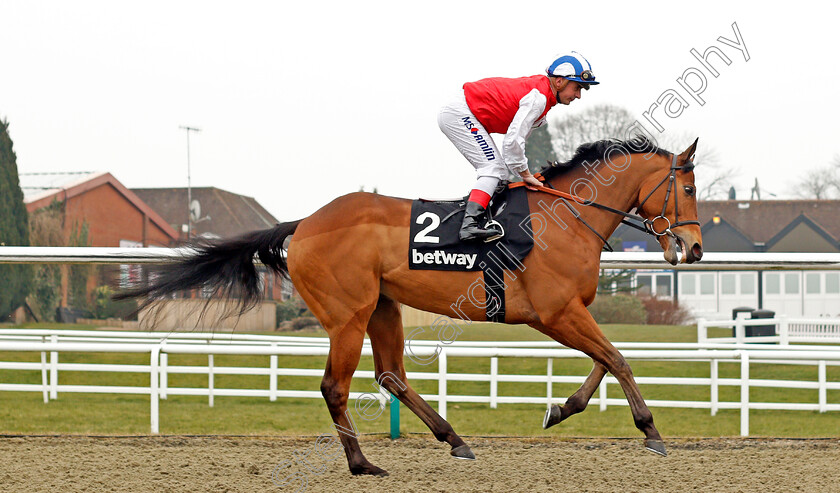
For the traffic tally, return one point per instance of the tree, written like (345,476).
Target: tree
(608,121)
(603,121)
(79,274)
(817,184)
(14,227)
(821,183)
(539,150)
(711,178)
(613,281)
(45,230)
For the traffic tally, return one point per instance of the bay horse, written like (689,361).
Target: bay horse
(349,263)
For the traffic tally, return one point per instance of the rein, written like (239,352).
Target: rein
(646,225)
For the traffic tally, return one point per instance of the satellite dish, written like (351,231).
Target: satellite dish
(195,211)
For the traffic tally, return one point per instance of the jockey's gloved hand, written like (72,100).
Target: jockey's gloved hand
(530,180)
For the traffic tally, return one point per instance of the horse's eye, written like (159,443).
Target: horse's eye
(689,190)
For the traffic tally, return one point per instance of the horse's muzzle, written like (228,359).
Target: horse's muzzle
(676,244)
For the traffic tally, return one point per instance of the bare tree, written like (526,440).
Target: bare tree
(614,122)
(834,166)
(712,178)
(604,121)
(821,183)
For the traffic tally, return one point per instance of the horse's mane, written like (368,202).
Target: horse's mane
(595,151)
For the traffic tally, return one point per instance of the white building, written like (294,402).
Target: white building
(752,226)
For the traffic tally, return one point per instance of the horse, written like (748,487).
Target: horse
(348,262)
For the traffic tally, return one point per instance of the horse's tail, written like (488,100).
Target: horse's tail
(223,267)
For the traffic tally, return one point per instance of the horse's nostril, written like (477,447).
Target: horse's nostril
(697,251)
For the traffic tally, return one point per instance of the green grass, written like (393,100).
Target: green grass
(25,412)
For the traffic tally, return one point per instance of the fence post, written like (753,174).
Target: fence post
(784,330)
(822,387)
(739,331)
(272,376)
(745,394)
(494,382)
(395,417)
(549,373)
(702,331)
(54,369)
(210,379)
(164,378)
(44,379)
(602,394)
(153,389)
(714,387)
(442,384)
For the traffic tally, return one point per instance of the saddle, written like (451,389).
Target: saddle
(434,245)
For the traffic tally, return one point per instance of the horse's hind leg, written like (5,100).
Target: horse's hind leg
(576,328)
(345,351)
(578,401)
(386,338)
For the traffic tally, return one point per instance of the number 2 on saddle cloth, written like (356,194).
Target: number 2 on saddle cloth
(434,243)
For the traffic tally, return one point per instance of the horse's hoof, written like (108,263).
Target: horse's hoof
(552,417)
(368,469)
(656,446)
(463,452)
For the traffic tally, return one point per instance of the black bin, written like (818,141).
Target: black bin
(761,330)
(736,311)
(67,315)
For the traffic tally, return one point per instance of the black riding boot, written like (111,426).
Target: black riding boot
(471,228)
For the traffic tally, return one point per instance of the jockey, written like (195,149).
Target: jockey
(512,107)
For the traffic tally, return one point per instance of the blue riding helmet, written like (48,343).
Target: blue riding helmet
(572,66)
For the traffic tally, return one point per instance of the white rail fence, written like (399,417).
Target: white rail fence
(609,260)
(50,344)
(787,330)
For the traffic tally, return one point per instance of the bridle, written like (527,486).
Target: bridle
(645,225)
(671,177)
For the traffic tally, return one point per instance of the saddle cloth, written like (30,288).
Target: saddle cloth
(434,242)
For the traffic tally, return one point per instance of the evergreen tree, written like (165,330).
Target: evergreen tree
(14,227)
(539,150)
(79,274)
(45,230)
(614,281)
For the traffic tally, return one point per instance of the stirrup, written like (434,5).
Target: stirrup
(501,187)
(490,223)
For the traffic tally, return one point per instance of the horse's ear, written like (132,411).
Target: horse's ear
(688,154)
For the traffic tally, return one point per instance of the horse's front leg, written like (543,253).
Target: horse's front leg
(578,401)
(575,328)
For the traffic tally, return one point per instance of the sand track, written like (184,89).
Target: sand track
(418,464)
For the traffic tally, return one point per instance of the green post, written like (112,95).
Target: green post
(395,417)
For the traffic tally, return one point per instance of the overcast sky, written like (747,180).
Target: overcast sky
(300,102)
